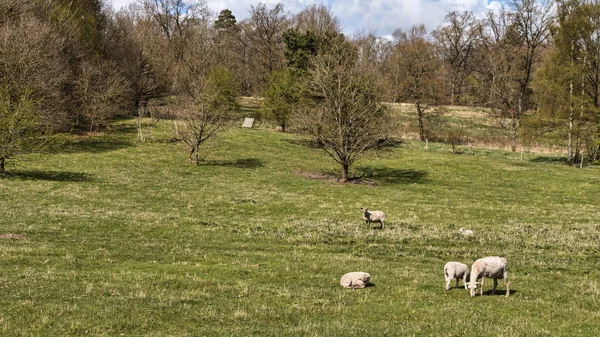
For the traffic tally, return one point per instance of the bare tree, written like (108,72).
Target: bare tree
(317,19)
(263,35)
(208,109)
(418,65)
(100,90)
(512,49)
(345,116)
(457,38)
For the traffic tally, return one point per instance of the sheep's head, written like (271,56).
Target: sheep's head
(364,210)
(366,277)
(461,229)
(473,287)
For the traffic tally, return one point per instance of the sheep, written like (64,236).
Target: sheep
(12,236)
(456,270)
(465,232)
(492,267)
(373,216)
(355,280)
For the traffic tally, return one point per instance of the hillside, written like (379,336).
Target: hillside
(129,238)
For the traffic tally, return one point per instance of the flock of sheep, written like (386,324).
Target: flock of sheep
(493,267)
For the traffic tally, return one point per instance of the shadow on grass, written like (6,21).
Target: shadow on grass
(105,142)
(389,175)
(246,163)
(96,144)
(499,292)
(48,176)
(549,160)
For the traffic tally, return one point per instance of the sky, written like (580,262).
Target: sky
(378,16)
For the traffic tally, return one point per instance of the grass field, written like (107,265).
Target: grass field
(128,238)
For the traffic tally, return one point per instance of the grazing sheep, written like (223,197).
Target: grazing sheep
(456,270)
(491,267)
(465,232)
(373,216)
(355,280)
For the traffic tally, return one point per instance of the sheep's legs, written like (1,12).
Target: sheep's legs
(507,288)
(495,285)
(448,284)
(481,290)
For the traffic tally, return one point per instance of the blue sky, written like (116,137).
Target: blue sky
(379,16)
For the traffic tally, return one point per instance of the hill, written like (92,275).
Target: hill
(128,238)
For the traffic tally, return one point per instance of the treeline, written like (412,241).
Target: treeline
(534,66)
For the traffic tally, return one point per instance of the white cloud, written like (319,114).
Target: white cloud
(381,16)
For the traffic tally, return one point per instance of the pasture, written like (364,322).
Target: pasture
(128,238)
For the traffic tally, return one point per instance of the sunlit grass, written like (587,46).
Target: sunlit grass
(129,238)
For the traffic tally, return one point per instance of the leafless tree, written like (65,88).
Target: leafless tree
(345,116)
(263,35)
(457,38)
(418,65)
(207,109)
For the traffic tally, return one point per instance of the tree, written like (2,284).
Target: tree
(512,48)
(263,36)
(21,129)
(567,83)
(226,21)
(457,38)
(100,91)
(208,109)
(344,115)
(418,66)
(282,95)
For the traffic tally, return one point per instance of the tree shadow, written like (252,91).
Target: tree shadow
(310,143)
(245,163)
(549,160)
(389,175)
(48,176)
(102,142)
(95,144)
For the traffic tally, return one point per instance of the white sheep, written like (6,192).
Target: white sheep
(373,216)
(465,232)
(355,280)
(491,267)
(456,270)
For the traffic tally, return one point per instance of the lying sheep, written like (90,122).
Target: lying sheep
(465,232)
(12,236)
(491,267)
(456,270)
(355,280)
(373,216)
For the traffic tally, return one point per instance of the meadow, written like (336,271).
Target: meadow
(126,238)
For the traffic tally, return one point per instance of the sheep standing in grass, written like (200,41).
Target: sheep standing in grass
(373,216)
(465,232)
(456,270)
(355,280)
(493,267)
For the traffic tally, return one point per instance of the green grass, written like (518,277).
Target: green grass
(129,238)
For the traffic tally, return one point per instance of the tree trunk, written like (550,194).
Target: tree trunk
(344,173)
(2,163)
(420,119)
(196,156)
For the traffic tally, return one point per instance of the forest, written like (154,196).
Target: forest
(76,65)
